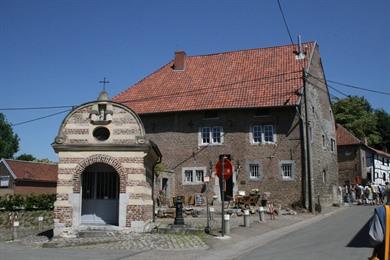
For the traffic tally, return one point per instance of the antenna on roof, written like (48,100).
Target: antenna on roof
(300,54)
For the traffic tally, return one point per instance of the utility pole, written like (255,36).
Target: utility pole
(308,147)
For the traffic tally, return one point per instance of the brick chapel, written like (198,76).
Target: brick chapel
(105,170)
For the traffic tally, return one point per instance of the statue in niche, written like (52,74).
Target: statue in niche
(101,114)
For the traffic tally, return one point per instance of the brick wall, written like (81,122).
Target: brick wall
(121,151)
(177,137)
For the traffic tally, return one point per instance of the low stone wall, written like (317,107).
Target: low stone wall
(29,223)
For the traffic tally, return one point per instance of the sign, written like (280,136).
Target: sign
(227,171)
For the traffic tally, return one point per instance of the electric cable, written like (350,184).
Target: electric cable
(40,118)
(285,22)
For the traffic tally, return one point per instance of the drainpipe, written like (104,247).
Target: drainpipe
(308,158)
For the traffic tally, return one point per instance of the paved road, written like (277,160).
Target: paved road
(335,237)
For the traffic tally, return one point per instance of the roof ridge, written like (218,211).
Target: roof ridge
(49,163)
(114,98)
(251,49)
(350,133)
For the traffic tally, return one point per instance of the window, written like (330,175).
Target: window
(4,181)
(323,141)
(211,135)
(268,134)
(262,134)
(332,144)
(216,132)
(287,170)
(256,132)
(310,134)
(194,175)
(254,171)
(324,177)
(188,176)
(199,175)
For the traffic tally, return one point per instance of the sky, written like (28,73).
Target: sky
(55,52)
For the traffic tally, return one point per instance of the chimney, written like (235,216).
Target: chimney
(180,59)
(300,54)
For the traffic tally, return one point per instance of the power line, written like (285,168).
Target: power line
(338,91)
(349,86)
(40,118)
(360,88)
(285,22)
(32,108)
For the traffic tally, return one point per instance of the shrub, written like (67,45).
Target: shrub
(28,203)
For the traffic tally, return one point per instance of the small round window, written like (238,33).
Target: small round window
(101,133)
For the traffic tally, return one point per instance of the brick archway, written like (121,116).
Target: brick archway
(99,158)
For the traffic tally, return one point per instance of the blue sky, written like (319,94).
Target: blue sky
(54,53)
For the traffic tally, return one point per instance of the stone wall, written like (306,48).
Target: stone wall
(176,134)
(323,131)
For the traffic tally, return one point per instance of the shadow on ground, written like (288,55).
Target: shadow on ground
(361,237)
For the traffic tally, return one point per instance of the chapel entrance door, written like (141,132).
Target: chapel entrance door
(100,195)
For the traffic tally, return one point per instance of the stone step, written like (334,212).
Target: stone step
(98,233)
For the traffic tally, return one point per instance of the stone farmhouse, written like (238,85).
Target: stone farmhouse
(269,108)
(352,156)
(22,177)
(360,163)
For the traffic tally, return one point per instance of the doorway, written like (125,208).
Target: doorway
(100,195)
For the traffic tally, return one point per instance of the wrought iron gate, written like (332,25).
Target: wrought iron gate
(100,197)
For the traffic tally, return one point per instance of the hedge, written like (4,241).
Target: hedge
(28,203)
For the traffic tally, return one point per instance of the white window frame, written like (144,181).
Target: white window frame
(284,163)
(256,173)
(212,140)
(194,180)
(4,181)
(262,129)
(273,134)
(258,129)
(248,171)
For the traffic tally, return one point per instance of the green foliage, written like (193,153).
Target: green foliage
(26,157)
(356,114)
(159,168)
(29,203)
(9,142)
(383,123)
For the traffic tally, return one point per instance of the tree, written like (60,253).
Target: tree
(355,114)
(383,123)
(26,157)
(9,142)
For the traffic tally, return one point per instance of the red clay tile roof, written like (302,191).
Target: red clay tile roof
(265,77)
(33,170)
(344,137)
